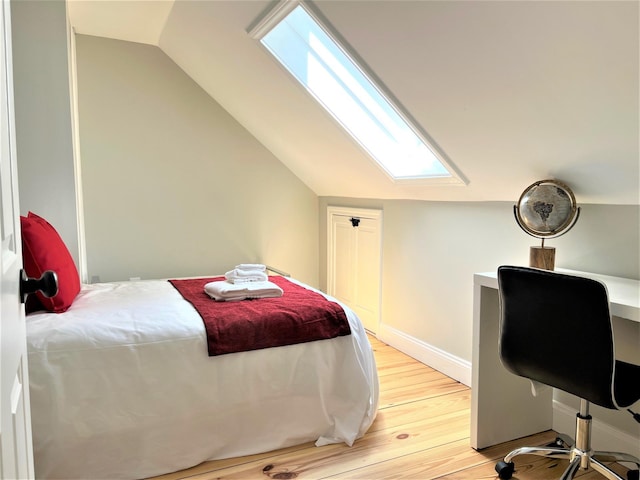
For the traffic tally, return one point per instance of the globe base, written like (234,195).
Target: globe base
(542,257)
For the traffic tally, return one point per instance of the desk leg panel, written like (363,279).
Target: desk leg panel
(502,405)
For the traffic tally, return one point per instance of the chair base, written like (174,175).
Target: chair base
(579,453)
(577,459)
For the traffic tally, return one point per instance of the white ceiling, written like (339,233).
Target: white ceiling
(512,92)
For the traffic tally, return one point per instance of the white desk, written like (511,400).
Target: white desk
(502,406)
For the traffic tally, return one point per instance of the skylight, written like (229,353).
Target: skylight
(297,39)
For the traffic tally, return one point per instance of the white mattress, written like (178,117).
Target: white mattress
(122,387)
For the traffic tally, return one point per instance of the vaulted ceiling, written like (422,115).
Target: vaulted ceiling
(511,92)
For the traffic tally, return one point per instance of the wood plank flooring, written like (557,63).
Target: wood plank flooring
(421,432)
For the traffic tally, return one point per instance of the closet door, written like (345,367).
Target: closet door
(354,261)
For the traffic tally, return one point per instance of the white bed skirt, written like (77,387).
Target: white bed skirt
(122,387)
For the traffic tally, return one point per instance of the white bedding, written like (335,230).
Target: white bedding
(122,387)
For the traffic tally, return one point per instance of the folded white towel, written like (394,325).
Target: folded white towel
(226,291)
(244,276)
(240,281)
(251,266)
(236,272)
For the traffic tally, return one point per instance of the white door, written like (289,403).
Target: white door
(354,261)
(16,455)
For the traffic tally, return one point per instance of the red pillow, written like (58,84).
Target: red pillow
(42,250)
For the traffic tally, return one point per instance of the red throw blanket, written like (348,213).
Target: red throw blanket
(300,315)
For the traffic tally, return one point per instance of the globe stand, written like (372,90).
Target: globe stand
(542,257)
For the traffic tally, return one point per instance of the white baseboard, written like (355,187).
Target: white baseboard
(603,436)
(444,362)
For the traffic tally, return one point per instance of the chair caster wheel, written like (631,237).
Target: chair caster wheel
(633,475)
(504,469)
(558,443)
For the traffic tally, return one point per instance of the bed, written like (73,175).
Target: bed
(128,380)
(122,386)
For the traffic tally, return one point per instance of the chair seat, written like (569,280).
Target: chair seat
(626,387)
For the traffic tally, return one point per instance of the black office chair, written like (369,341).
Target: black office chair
(556,329)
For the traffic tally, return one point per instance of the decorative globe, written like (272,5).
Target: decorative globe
(546,209)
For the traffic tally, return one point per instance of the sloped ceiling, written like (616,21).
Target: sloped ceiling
(512,92)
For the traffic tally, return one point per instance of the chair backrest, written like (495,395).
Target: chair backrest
(556,329)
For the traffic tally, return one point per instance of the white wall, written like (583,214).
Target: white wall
(172,184)
(43,115)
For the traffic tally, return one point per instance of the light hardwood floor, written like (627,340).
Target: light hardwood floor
(421,432)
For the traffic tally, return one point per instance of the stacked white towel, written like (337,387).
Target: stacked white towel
(246,273)
(252,266)
(225,291)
